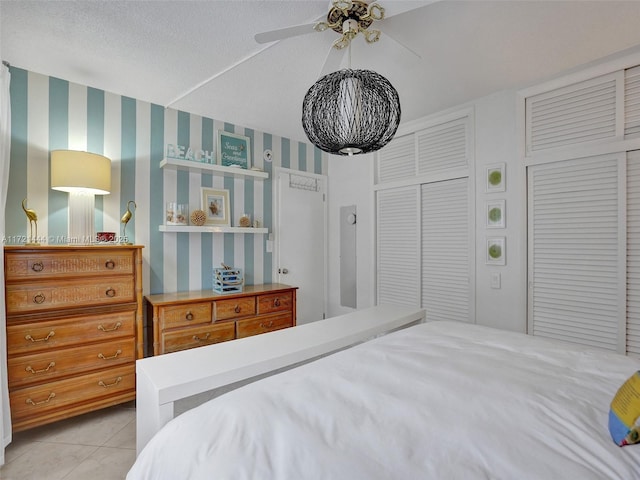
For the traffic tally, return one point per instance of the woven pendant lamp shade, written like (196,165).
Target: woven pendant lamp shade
(351,111)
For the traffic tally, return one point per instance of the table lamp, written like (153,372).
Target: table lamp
(83,175)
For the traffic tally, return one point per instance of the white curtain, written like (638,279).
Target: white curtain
(5,148)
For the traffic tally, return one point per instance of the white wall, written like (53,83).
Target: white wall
(496,141)
(351,183)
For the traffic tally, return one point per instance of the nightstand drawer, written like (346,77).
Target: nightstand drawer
(275,302)
(183,315)
(35,297)
(35,266)
(51,365)
(40,400)
(68,331)
(234,308)
(197,336)
(268,323)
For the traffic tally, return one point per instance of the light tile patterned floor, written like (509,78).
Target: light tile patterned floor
(97,446)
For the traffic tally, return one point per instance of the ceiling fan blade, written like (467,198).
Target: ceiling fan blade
(282,33)
(393,28)
(332,61)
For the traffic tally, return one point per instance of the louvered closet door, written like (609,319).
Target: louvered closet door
(633,253)
(446,250)
(398,248)
(632,102)
(397,160)
(577,251)
(579,113)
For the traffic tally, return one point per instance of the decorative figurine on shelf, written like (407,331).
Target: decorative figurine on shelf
(198,217)
(124,220)
(33,220)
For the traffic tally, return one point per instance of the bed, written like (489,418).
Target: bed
(442,400)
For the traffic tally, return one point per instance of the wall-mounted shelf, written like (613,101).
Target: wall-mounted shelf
(177,164)
(211,229)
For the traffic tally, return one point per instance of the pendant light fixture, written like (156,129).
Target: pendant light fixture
(350,112)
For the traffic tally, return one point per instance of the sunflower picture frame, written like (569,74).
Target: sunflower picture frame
(495,177)
(496,251)
(496,214)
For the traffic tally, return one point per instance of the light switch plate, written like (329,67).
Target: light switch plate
(495,280)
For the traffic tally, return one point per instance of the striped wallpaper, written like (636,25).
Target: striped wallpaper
(49,113)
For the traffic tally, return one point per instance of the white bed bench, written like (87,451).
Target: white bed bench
(162,380)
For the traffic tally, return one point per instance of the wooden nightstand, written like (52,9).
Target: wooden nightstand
(185,320)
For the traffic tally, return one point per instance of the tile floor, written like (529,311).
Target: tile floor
(97,446)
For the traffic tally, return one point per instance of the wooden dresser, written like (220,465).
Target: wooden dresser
(185,320)
(74,329)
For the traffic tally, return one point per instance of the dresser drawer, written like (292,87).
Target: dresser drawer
(54,364)
(99,262)
(269,323)
(44,296)
(234,308)
(197,336)
(24,338)
(275,302)
(184,315)
(43,399)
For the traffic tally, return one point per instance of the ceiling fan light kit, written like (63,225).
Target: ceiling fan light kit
(349,112)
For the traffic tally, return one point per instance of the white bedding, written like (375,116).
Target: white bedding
(440,400)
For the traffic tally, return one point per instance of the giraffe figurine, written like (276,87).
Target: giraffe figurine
(33,220)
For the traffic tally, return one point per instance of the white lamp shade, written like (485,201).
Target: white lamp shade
(73,171)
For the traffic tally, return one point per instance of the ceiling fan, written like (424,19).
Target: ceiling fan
(348,18)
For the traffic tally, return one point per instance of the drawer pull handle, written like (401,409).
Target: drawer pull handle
(198,339)
(110,264)
(39,298)
(113,329)
(31,402)
(237,309)
(267,325)
(189,316)
(33,372)
(107,385)
(110,292)
(118,352)
(276,302)
(37,266)
(45,339)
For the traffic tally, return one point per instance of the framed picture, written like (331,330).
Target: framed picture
(495,177)
(496,251)
(496,214)
(215,203)
(234,150)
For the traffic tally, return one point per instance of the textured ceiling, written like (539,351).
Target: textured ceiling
(201,57)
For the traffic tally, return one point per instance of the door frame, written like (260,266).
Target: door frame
(276,227)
